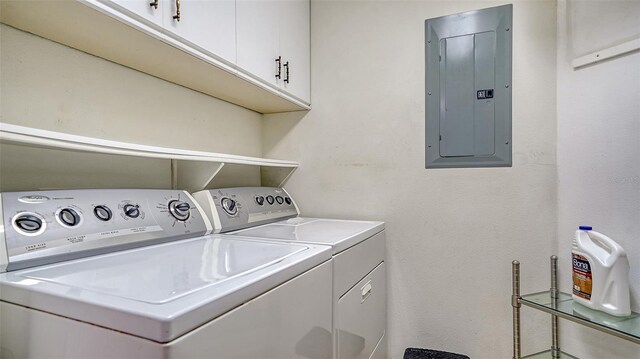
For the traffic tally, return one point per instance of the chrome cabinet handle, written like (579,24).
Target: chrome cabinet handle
(177,15)
(154,4)
(279,67)
(286,72)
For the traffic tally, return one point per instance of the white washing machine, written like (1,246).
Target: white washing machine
(132,274)
(359,278)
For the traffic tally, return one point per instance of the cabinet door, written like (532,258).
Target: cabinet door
(295,47)
(209,25)
(258,38)
(141,8)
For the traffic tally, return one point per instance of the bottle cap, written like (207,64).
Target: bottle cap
(585,228)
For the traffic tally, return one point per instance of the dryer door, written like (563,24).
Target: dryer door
(361,316)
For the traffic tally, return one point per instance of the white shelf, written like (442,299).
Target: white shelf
(68,159)
(607,53)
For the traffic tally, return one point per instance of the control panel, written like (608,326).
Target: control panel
(236,208)
(43,227)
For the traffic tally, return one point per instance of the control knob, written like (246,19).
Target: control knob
(69,217)
(270,199)
(179,210)
(260,200)
(229,206)
(28,223)
(279,199)
(102,212)
(131,210)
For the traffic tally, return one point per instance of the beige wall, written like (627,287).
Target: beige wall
(50,86)
(452,233)
(598,152)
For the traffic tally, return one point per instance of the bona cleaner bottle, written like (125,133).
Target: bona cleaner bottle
(600,273)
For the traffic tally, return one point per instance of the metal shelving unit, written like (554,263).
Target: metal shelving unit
(548,354)
(561,305)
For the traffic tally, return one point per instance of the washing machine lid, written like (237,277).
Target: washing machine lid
(161,292)
(339,234)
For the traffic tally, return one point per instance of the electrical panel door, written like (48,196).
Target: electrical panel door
(468,85)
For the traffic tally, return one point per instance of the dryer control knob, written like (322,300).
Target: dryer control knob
(229,206)
(132,210)
(179,210)
(69,217)
(102,212)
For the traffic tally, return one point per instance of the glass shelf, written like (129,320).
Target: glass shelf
(547,355)
(564,307)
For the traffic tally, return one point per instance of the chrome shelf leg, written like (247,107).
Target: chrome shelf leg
(555,346)
(515,303)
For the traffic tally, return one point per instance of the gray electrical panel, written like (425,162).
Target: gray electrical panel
(468,89)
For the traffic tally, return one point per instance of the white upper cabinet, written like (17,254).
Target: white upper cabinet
(257,38)
(295,47)
(149,10)
(273,43)
(210,25)
(253,53)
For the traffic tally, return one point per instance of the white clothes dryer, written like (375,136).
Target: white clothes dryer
(358,247)
(133,274)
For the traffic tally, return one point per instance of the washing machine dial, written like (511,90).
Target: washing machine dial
(260,200)
(279,199)
(102,212)
(179,210)
(270,199)
(229,206)
(131,210)
(29,224)
(68,217)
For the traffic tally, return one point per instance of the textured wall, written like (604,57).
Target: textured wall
(452,233)
(598,152)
